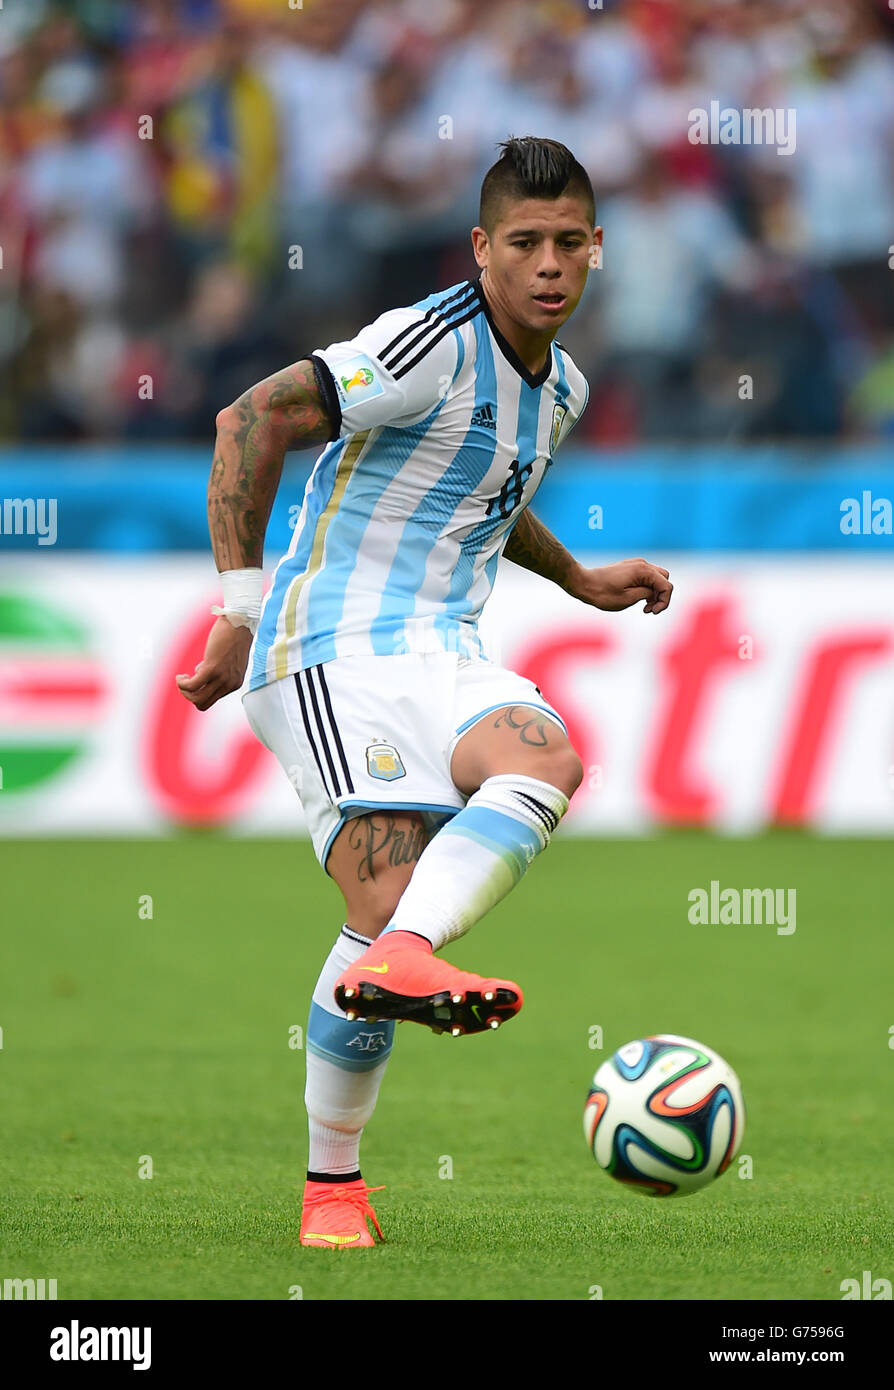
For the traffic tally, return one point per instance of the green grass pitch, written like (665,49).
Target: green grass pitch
(126,1036)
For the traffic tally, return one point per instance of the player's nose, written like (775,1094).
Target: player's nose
(549,262)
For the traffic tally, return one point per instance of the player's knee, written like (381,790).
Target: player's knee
(559,766)
(566,771)
(370,913)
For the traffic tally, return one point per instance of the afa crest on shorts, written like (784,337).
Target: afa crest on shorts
(559,413)
(384,762)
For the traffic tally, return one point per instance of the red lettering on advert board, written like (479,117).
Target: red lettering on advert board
(550,663)
(189,789)
(706,648)
(817,713)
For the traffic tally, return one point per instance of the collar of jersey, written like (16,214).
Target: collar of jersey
(508,351)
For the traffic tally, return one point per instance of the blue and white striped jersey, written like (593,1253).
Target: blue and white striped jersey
(444,437)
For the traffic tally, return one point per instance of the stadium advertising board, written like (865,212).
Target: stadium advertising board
(763,696)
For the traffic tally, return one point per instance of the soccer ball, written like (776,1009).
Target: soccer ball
(665,1114)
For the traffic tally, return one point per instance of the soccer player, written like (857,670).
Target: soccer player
(429,776)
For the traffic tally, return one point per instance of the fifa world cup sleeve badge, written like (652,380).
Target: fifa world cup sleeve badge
(384,762)
(356,380)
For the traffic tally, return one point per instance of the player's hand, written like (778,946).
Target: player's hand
(222,668)
(618,586)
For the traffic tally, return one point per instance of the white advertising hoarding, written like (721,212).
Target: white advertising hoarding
(764,695)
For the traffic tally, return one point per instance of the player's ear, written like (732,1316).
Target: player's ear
(595,260)
(480,245)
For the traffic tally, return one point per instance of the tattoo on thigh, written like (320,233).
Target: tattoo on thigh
(394,844)
(531,727)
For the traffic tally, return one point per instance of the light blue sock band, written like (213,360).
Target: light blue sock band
(515,842)
(356,1046)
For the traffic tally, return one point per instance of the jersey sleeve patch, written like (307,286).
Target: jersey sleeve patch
(365,370)
(357,380)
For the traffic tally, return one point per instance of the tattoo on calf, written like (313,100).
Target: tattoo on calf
(531,727)
(394,844)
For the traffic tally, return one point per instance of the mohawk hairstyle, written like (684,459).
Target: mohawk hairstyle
(532,168)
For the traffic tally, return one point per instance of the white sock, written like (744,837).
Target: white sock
(478,857)
(345,1065)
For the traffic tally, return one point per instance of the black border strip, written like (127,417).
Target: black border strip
(323,736)
(338,743)
(548,816)
(313,746)
(448,328)
(356,936)
(440,319)
(429,314)
(509,352)
(328,394)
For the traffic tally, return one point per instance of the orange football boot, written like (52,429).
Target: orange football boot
(398,977)
(334,1214)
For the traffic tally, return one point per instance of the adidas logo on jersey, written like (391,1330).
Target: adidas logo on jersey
(485,416)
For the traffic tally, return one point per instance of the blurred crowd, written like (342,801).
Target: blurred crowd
(195,192)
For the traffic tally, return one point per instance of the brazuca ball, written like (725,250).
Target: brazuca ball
(665,1115)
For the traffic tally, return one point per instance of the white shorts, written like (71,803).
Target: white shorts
(365,732)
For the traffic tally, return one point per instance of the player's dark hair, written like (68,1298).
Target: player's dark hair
(532,168)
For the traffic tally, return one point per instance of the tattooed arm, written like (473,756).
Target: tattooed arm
(610,587)
(253,436)
(535,548)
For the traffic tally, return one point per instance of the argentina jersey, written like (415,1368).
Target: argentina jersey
(441,438)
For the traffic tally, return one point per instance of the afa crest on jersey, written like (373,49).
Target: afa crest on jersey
(383,761)
(559,413)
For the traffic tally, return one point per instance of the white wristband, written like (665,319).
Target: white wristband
(243,591)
